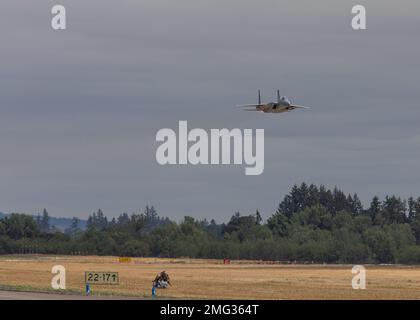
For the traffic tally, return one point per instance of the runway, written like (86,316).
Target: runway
(18,295)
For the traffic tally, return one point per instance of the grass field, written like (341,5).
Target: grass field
(211,279)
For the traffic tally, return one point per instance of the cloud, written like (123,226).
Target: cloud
(79,109)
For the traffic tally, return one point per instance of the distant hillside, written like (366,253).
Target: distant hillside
(59,223)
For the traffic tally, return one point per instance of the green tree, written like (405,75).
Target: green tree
(20,226)
(375,209)
(315,217)
(393,210)
(45,221)
(97,221)
(381,245)
(74,228)
(356,206)
(279,224)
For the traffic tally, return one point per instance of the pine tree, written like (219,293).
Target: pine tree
(355,204)
(313,195)
(411,209)
(374,209)
(74,227)
(97,221)
(303,196)
(123,219)
(258,218)
(394,210)
(326,198)
(45,221)
(340,202)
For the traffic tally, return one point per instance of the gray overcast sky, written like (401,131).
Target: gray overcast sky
(79,109)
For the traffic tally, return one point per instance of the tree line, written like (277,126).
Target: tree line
(311,224)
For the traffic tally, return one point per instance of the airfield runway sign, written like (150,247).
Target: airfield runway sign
(94,277)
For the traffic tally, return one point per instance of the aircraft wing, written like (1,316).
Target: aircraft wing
(296,106)
(250,105)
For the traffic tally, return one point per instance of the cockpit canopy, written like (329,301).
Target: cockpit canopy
(285,99)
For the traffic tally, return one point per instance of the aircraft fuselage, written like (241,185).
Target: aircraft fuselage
(274,107)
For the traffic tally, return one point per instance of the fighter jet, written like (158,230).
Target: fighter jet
(282,105)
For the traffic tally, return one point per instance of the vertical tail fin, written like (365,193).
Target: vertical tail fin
(259,96)
(278,96)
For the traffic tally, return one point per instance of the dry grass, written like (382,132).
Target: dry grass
(210,279)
